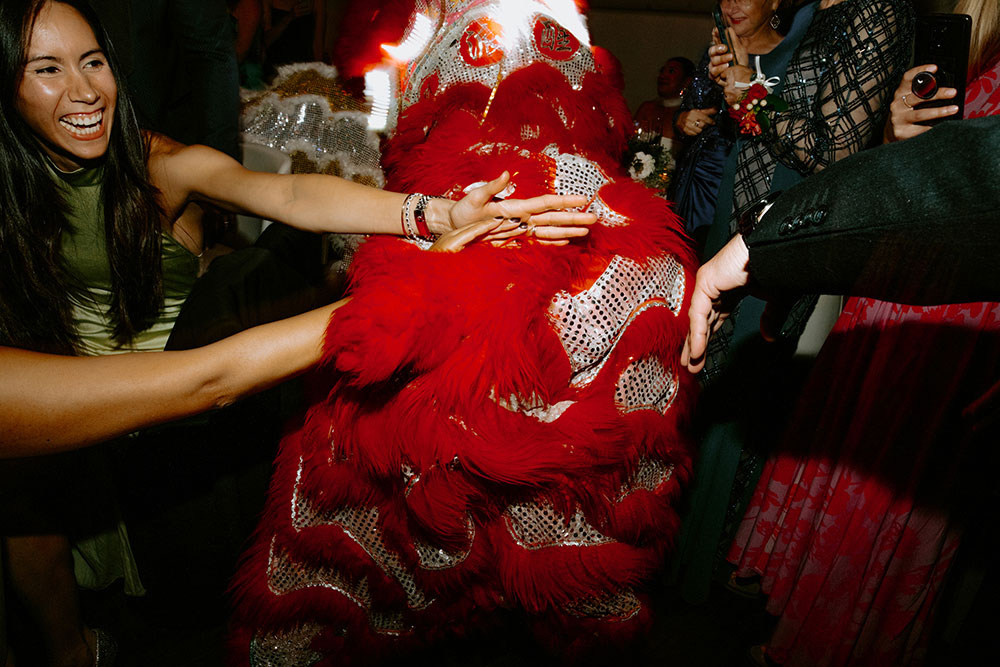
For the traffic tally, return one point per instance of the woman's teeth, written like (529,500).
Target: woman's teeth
(83,124)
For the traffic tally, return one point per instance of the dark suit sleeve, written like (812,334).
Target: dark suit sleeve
(912,222)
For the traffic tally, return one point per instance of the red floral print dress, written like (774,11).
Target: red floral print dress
(853,524)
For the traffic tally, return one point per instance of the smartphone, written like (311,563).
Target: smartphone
(720,25)
(943,39)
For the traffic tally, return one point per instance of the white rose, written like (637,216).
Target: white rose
(642,166)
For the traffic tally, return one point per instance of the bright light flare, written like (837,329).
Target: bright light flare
(516,17)
(416,40)
(378,92)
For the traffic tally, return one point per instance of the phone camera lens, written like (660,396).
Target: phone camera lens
(924,85)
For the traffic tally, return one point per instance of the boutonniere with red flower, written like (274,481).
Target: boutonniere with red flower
(753,112)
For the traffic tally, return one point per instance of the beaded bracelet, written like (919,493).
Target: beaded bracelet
(413,216)
(420,215)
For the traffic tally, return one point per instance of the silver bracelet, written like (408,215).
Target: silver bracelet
(406,216)
(414,216)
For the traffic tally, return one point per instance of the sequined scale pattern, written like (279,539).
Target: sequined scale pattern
(591,322)
(362,526)
(645,385)
(282,649)
(435,558)
(538,526)
(285,575)
(576,175)
(307,115)
(619,607)
(472,46)
(650,476)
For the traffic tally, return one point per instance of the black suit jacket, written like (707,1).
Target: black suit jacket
(914,222)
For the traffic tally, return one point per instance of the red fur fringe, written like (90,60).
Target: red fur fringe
(415,369)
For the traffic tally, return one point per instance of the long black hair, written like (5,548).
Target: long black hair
(35,287)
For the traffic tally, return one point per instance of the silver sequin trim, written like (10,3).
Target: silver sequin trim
(606,215)
(576,175)
(618,607)
(443,57)
(435,558)
(549,413)
(389,624)
(285,649)
(590,323)
(362,526)
(285,576)
(307,123)
(538,526)
(645,385)
(534,408)
(651,475)
(587,375)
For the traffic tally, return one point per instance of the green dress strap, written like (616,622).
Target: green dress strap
(84,252)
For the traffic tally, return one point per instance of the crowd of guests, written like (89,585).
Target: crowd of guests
(847,492)
(848,515)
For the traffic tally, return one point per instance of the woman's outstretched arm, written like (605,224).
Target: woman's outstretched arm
(323,203)
(51,403)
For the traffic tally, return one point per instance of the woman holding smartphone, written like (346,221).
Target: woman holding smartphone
(857,519)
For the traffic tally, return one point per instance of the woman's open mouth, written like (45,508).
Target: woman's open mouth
(84,125)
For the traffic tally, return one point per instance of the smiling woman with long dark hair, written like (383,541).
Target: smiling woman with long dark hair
(39,287)
(97,255)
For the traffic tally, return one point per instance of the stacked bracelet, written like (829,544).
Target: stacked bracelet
(420,215)
(414,216)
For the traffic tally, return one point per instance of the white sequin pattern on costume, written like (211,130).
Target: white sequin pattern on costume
(361,525)
(538,526)
(650,476)
(285,576)
(576,175)
(436,558)
(645,385)
(471,46)
(572,174)
(285,648)
(621,606)
(590,323)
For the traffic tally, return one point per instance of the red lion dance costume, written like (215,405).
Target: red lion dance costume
(498,427)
